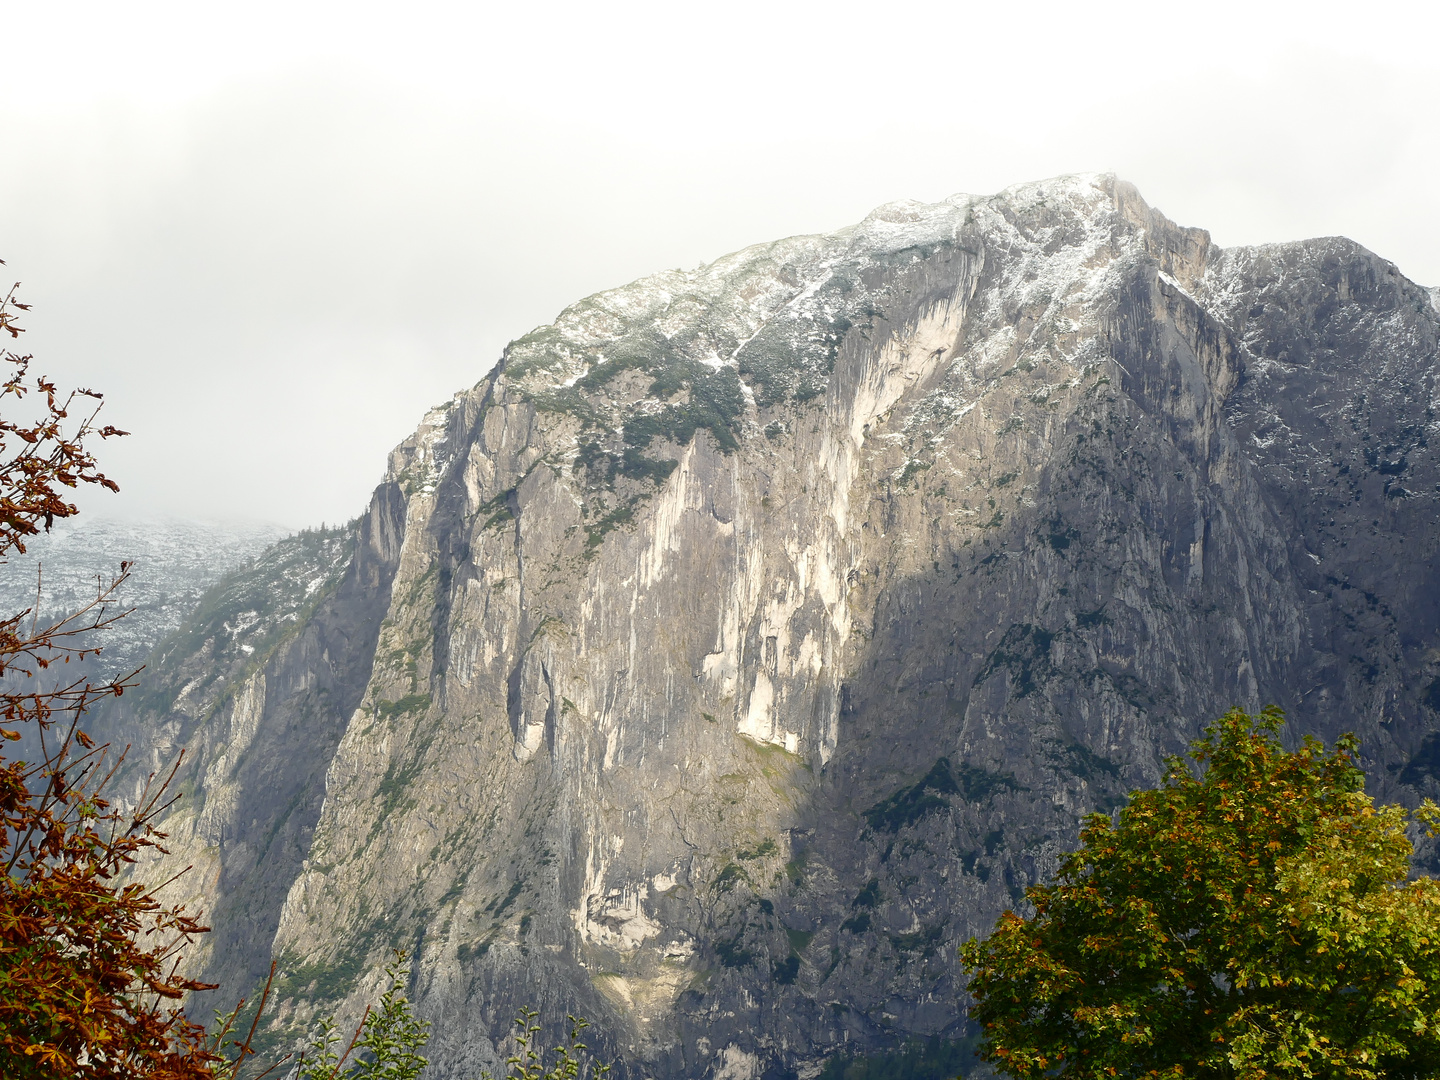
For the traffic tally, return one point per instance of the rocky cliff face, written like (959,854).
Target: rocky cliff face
(754,635)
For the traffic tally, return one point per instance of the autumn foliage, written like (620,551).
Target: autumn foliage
(89,961)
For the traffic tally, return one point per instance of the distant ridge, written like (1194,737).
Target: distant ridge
(175,561)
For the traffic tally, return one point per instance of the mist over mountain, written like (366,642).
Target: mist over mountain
(753,635)
(173,562)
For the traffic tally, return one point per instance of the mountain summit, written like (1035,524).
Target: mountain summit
(754,635)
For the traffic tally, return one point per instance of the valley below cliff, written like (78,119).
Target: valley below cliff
(752,636)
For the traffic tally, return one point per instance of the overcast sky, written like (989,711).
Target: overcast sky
(275,233)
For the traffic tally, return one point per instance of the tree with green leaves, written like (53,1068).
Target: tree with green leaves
(572,1062)
(387,1042)
(1249,918)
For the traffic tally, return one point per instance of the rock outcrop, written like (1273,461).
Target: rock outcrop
(752,636)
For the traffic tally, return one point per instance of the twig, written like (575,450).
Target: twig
(244,1047)
(354,1038)
(35,615)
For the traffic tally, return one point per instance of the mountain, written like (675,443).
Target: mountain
(753,635)
(174,561)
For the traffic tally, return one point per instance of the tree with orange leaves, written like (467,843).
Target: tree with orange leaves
(90,985)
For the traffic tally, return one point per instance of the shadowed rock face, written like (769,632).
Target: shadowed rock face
(754,635)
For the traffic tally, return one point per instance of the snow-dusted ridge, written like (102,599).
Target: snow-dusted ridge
(175,561)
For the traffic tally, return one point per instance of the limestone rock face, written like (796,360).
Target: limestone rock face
(754,635)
